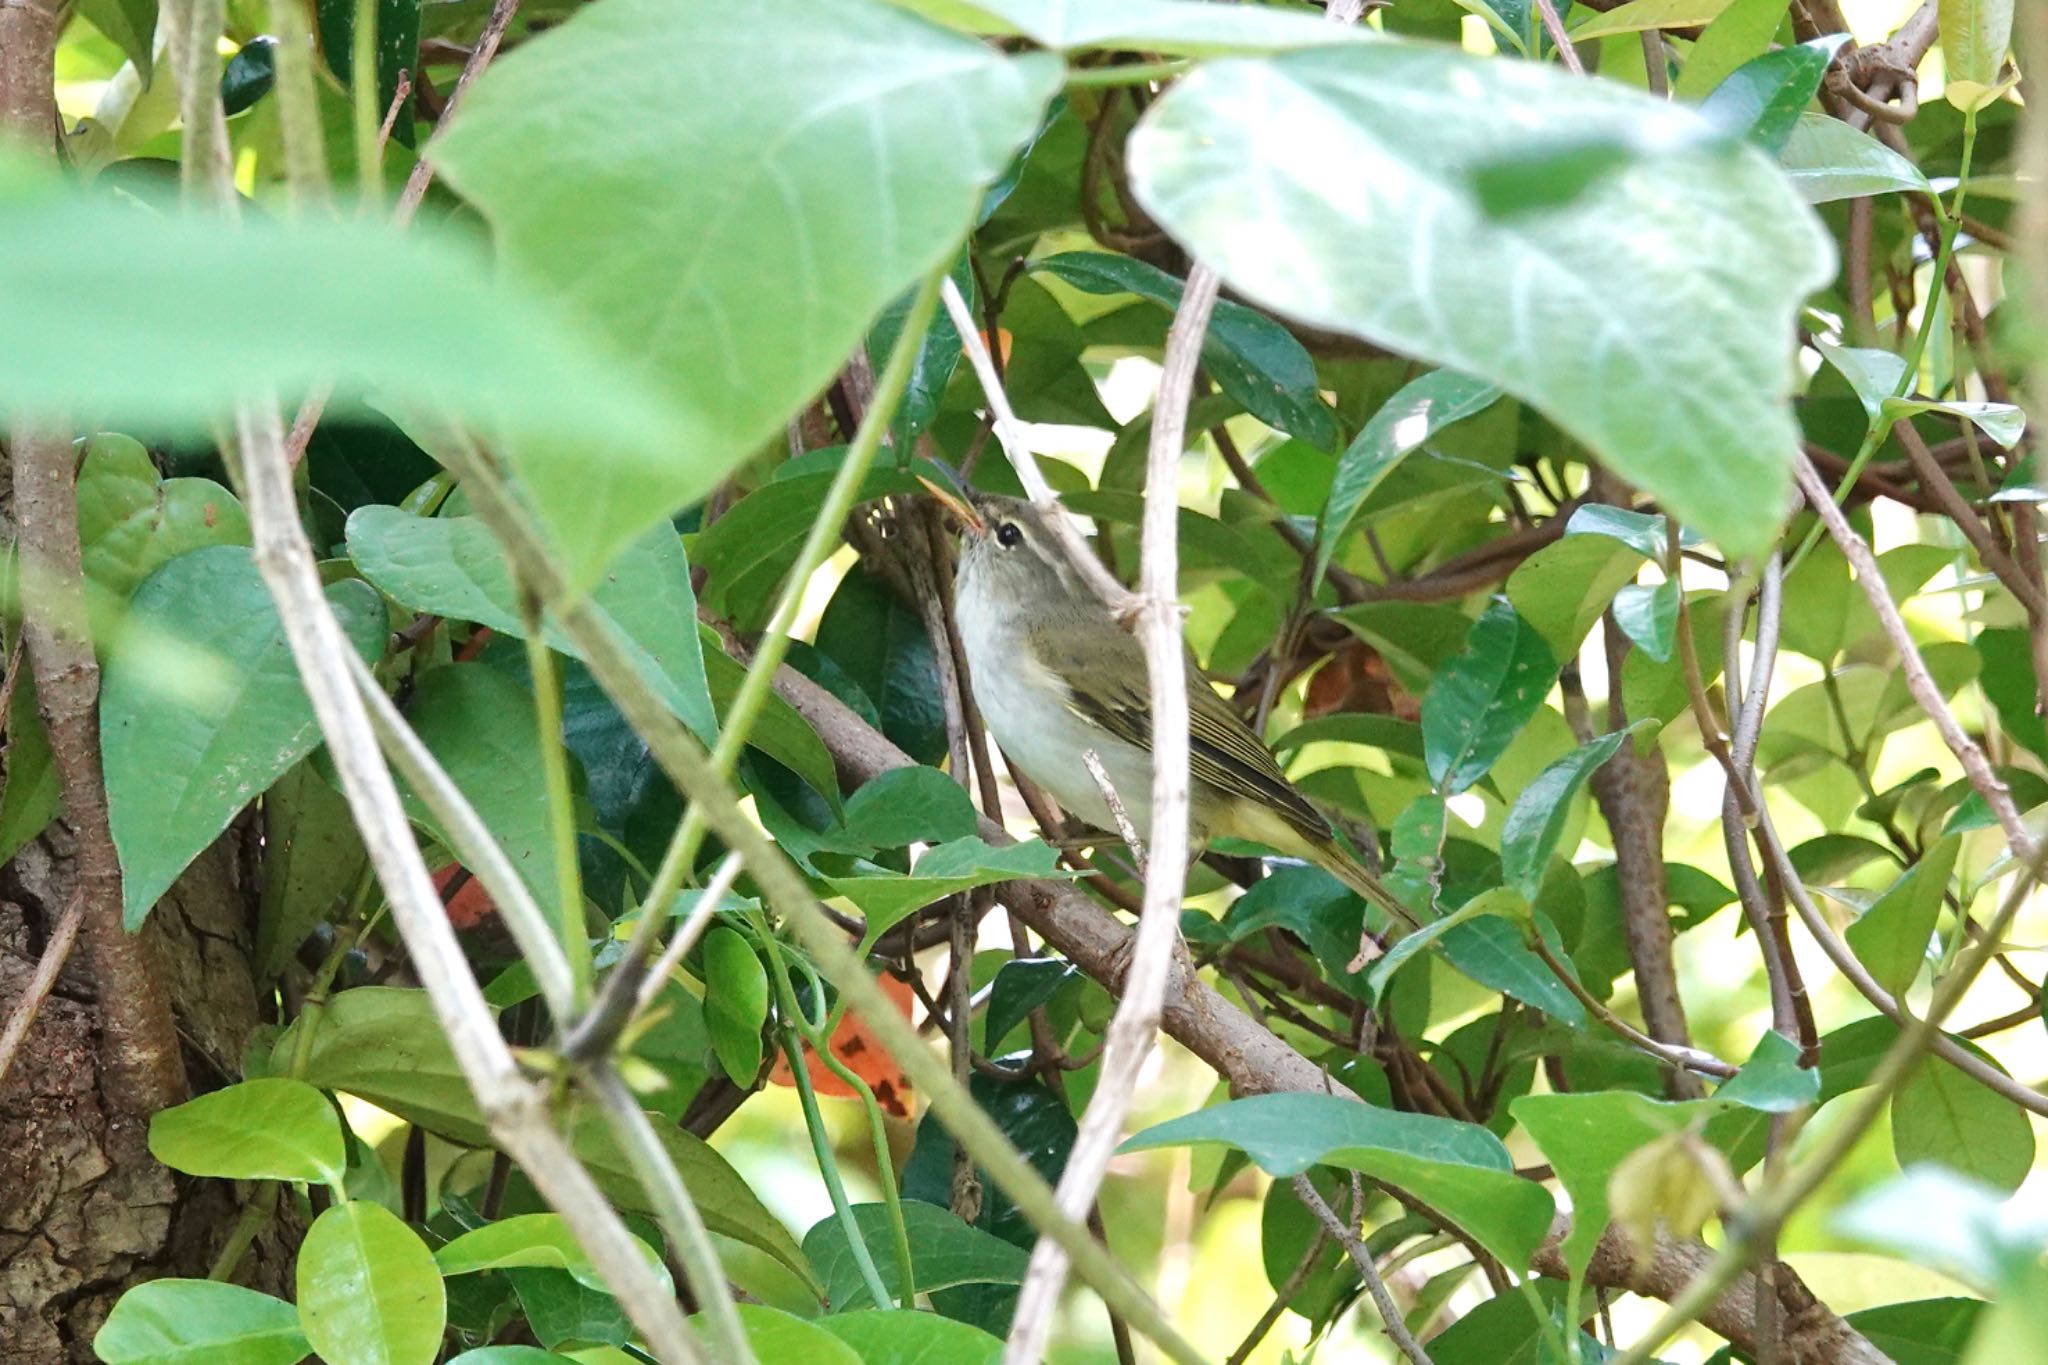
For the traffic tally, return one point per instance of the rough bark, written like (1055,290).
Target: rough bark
(85,1211)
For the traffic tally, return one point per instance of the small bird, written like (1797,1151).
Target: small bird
(1055,675)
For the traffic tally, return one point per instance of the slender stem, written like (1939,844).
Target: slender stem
(55,952)
(1134,1028)
(298,105)
(554,759)
(674,1208)
(686,935)
(363,101)
(885,1174)
(1130,73)
(1391,1321)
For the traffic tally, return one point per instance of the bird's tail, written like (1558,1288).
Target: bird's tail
(1342,864)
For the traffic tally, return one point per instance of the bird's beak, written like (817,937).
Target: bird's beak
(953,503)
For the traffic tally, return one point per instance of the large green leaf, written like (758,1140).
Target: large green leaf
(369,1292)
(384,1044)
(132,520)
(481,726)
(130,23)
(1739,33)
(1537,818)
(1403,424)
(1975,35)
(894,1336)
(1891,938)
(1459,1169)
(737,246)
(200,1322)
(886,897)
(1586,1136)
(412,316)
(1829,160)
(272,1128)
(530,1239)
(452,567)
(313,858)
(944,1252)
(1686,399)
(1482,698)
(779,1338)
(1943,1116)
(181,763)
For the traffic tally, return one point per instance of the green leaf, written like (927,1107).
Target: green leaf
(1975,35)
(180,765)
(1252,358)
(1586,1136)
(909,805)
(313,858)
(944,1252)
(1648,615)
(1404,423)
(1686,400)
(2002,422)
(898,1337)
(530,1239)
(1943,1116)
(735,1003)
(1771,1081)
(1826,159)
(2008,680)
(384,1044)
(132,520)
(1891,938)
(1170,26)
(1459,1169)
(846,156)
(779,732)
(1500,900)
(131,24)
(368,1290)
(1740,32)
(1640,15)
(729,1205)
(199,1322)
(1415,638)
(1491,951)
(1021,985)
(179,351)
(1562,589)
(883,647)
(1537,819)
(1482,698)
(511,1355)
(1921,1331)
(777,1338)
(29,796)
(943,869)
(269,1129)
(482,727)
(451,566)
(1763,98)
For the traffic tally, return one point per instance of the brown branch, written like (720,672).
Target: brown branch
(55,952)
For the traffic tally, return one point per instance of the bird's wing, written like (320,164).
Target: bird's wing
(1223,753)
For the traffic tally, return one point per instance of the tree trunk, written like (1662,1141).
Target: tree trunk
(85,1211)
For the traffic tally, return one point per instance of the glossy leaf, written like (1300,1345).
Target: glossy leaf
(909,805)
(1639,15)
(1459,1169)
(1686,400)
(1482,698)
(735,1003)
(368,1290)
(944,1253)
(267,1129)
(1022,984)
(1893,936)
(1492,952)
(1826,160)
(1763,98)
(849,150)
(1403,424)
(482,728)
(1253,359)
(896,1337)
(884,648)
(956,866)
(1536,820)
(1771,1081)
(529,1239)
(385,1044)
(188,1322)
(1648,615)
(1741,31)
(180,765)
(450,566)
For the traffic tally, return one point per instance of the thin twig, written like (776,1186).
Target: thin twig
(26,1005)
(692,928)
(1919,682)
(1133,1029)
(1390,1313)
(1093,762)
(1554,26)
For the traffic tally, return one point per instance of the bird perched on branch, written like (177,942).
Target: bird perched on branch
(1056,676)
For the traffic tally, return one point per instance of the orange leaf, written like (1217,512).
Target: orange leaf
(862,1053)
(468,903)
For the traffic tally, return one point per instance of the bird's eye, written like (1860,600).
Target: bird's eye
(1008,536)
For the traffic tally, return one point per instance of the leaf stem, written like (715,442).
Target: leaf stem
(1130,73)
(547,706)
(369,110)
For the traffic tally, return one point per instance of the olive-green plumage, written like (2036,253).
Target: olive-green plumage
(1054,675)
